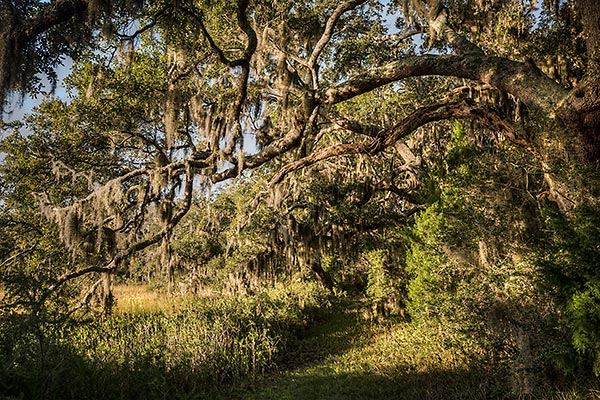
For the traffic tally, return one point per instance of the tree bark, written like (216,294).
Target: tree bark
(106,295)
(55,14)
(523,80)
(323,276)
(589,13)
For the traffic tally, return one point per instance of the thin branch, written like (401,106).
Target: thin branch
(18,255)
(326,36)
(85,301)
(244,25)
(144,28)
(321,154)
(76,274)
(276,148)
(174,168)
(397,37)
(222,57)
(243,62)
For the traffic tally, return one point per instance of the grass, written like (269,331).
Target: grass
(347,358)
(142,298)
(155,348)
(277,345)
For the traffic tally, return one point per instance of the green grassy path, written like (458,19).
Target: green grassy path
(344,357)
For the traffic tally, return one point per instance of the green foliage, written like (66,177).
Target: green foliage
(186,353)
(584,309)
(386,282)
(570,255)
(468,274)
(181,92)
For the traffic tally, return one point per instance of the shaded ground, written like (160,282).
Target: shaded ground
(345,357)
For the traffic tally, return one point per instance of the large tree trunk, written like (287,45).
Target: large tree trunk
(323,276)
(585,98)
(310,257)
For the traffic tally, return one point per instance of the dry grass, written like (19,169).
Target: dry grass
(146,299)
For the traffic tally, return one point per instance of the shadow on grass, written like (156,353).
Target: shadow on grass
(461,384)
(332,334)
(137,366)
(319,368)
(332,359)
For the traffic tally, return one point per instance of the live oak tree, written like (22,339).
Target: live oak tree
(283,75)
(185,94)
(168,98)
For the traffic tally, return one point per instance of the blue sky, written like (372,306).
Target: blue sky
(15,111)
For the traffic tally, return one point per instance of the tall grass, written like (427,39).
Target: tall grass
(191,352)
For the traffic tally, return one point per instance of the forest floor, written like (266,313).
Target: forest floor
(347,357)
(344,354)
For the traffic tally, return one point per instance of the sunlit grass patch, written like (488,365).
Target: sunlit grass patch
(575,394)
(147,299)
(354,359)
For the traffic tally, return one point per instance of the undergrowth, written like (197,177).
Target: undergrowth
(292,342)
(350,358)
(188,353)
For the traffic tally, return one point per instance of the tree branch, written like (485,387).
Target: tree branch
(326,36)
(222,57)
(522,80)
(140,245)
(18,255)
(54,14)
(397,37)
(462,46)
(247,28)
(353,126)
(244,25)
(276,148)
(422,116)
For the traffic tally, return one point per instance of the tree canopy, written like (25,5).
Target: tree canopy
(178,94)
(341,119)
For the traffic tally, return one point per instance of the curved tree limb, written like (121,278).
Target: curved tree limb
(211,42)
(20,32)
(242,18)
(18,255)
(243,62)
(244,25)
(353,126)
(397,37)
(522,80)
(54,14)
(140,245)
(420,117)
(326,36)
(278,147)
(439,25)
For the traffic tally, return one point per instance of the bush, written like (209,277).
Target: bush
(570,257)
(471,269)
